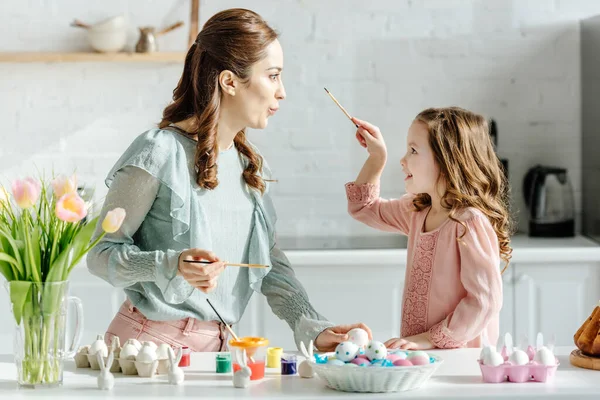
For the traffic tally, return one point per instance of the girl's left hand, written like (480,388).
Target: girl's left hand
(328,339)
(416,342)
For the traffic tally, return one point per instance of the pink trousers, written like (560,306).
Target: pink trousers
(130,323)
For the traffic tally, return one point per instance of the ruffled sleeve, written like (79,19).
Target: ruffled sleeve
(159,159)
(481,278)
(365,205)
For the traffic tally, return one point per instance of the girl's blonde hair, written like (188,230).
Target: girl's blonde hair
(463,150)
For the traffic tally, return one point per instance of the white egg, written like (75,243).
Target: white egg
(136,343)
(162,353)
(375,350)
(151,344)
(493,358)
(146,354)
(519,357)
(359,337)
(99,346)
(129,350)
(544,356)
(335,362)
(346,351)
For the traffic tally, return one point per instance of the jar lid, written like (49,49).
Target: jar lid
(249,342)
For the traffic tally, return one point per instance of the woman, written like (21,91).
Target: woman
(196,189)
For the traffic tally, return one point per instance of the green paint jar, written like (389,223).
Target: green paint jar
(223,361)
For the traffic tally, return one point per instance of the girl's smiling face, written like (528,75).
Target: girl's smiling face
(422,172)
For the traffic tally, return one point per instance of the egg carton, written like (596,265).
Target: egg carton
(534,364)
(517,373)
(125,359)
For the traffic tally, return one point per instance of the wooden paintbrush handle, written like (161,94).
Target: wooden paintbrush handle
(171,28)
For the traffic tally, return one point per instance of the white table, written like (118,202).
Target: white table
(457,378)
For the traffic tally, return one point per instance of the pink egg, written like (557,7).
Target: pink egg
(402,363)
(420,360)
(393,357)
(360,361)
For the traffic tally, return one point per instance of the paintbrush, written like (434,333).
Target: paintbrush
(228,264)
(231,332)
(340,106)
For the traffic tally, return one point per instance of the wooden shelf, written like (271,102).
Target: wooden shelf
(24,57)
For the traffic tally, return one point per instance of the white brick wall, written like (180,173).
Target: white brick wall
(385,60)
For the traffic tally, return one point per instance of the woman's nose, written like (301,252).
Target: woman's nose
(280,94)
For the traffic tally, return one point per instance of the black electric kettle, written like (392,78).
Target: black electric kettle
(549,198)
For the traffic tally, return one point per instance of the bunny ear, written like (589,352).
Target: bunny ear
(244,358)
(109,361)
(179,355)
(100,361)
(303,350)
(311,349)
(171,355)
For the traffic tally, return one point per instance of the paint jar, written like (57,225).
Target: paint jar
(223,363)
(256,351)
(289,365)
(274,357)
(185,357)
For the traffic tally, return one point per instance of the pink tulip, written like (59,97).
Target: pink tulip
(113,220)
(71,208)
(26,192)
(63,185)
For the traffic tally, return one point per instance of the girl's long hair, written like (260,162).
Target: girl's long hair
(473,174)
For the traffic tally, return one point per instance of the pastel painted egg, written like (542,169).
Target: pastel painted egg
(358,336)
(402,363)
(335,362)
(375,350)
(394,357)
(419,360)
(417,353)
(351,365)
(363,362)
(346,351)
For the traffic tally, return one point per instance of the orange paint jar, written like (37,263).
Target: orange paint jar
(256,350)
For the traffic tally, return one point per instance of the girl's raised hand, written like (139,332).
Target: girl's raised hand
(370,137)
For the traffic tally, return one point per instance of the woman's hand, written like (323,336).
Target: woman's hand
(416,342)
(328,339)
(370,136)
(200,276)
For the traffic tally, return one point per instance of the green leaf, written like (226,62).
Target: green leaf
(52,297)
(8,267)
(19,295)
(6,270)
(15,246)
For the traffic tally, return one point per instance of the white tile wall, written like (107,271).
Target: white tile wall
(516,61)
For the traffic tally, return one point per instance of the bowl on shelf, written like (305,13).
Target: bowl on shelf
(108,36)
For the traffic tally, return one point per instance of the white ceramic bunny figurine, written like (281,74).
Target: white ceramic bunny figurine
(106,379)
(241,378)
(305,369)
(176,374)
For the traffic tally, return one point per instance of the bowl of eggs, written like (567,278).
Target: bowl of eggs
(512,364)
(360,365)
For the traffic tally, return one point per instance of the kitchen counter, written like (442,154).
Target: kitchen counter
(391,249)
(458,377)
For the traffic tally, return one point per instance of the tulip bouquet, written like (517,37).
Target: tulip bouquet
(43,235)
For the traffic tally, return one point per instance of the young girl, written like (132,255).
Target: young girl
(457,222)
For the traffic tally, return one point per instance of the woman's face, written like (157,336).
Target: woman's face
(258,99)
